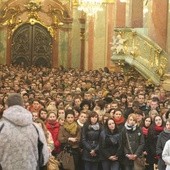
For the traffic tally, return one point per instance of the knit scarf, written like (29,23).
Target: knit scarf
(131,128)
(145,131)
(159,128)
(119,121)
(166,130)
(95,126)
(71,128)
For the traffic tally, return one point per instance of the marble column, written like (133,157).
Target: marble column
(120,14)
(134,13)
(158,22)
(82,21)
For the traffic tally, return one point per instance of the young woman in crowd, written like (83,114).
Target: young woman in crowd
(43,114)
(147,121)
(162,139)
(53,127)
(49,139)
(69,136)
(90,141)
(132,142)
(109,146)
(48,135)
(119,119)
(154,130)
(153,113)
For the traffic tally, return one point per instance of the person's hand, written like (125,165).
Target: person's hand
(145,153)
(72,139)
(93,153)
(131,156)
(113,158)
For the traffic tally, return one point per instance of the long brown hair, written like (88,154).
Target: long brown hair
(43,127)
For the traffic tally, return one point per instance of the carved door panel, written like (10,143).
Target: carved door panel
(32,45)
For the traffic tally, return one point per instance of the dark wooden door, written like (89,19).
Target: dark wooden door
(32,45)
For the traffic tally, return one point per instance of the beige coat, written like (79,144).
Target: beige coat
(64,135)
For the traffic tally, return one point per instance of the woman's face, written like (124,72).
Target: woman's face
(85,107)
(61,122)
(158,121)
(43,115)
(117,115)
(52,103)
(111,124)
(52,118)
(152,115)
(93,119)
(147,122)
(34,116)
(70,118)
(168,126)
(131,121)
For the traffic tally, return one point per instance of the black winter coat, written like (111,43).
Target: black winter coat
(136,141)
(109,145)
(90,141)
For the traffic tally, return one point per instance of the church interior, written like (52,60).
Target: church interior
(118,34)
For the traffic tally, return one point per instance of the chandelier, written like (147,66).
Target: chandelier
(90,7)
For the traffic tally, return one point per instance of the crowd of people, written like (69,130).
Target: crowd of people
(108,119)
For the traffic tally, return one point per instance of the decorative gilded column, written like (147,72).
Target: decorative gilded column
(82,21)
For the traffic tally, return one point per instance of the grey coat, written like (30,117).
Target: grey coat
(18,140)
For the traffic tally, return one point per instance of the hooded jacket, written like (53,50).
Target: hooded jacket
(19,139)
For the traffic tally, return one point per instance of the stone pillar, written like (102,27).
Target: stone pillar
(55,50)
(90,45)
(168,34)
(82,21)
(158,22)
(166,82)
(120,14)
(134,13)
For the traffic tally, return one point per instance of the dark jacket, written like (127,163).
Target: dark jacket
(90,141)
(136,141)
(109,144)
(152,141)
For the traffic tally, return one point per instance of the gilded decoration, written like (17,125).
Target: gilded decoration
(58,15)
(132,47)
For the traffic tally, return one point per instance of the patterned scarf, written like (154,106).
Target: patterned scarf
(95,126)
(71,128)
(131,128)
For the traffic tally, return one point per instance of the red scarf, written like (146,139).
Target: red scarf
(145,131)
(119,121)
(159,128)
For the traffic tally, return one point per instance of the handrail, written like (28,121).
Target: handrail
(141,52)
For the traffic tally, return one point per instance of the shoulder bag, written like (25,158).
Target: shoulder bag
(139,162)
